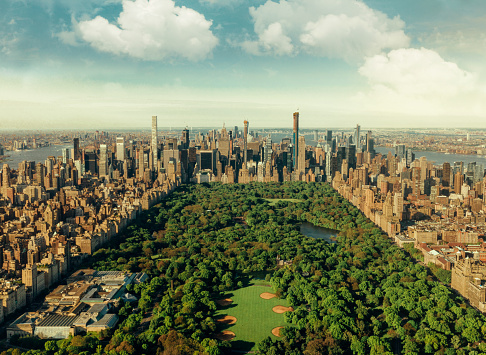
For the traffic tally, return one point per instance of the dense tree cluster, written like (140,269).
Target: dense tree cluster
(361,295)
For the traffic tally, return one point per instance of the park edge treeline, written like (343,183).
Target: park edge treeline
(362,295)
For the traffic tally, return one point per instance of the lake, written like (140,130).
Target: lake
(310,230)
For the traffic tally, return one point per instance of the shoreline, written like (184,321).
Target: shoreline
(436,151)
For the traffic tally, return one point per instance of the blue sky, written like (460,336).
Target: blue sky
(107,64)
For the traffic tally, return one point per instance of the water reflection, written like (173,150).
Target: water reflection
(310,230)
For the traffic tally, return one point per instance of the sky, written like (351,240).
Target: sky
(112,64)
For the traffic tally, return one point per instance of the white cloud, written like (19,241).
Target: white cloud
(346,29)
(419,81)
(152,30)
(418,72)
(272,40)
(67,37)
(220,2)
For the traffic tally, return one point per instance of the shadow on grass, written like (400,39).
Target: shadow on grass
(242,345)
(232,305)
(224,325)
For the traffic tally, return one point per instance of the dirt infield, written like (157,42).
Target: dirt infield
(227,320)
(282,309)
(268,295)
(225,335)
(224,302)
(276,331)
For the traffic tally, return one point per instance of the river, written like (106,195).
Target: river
(41,154)
(310,230)
(440,158)
(38,155)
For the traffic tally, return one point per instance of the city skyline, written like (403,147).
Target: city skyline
(200,63)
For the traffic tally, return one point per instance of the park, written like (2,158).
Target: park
(250,314)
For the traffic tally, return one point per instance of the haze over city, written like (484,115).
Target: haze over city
(66,64)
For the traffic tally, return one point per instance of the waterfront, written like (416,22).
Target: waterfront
(310,230)
(38,155)
(439,158)
(13,158)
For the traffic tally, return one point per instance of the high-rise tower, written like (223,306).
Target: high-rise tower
(154,142)
(295,140)
(120,148)
(357,136)
(245,143)
(446,174)
(301,156)
(103,169)
(185,138)
(76,152)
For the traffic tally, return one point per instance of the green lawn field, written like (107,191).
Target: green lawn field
(255,318)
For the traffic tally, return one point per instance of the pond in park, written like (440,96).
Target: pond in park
(310,230)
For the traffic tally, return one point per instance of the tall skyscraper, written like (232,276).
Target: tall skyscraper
(357,136)
(6,176)
(39,171)
(301,156)
(370,143)
(446,174)
(267,150)
(458,181)
(76,151)
(245,142)
(65,155)
(350,154)
(316,135)
(329,137)
(400,151)
(103,170)
(185,138)
(120,148)
(154,142)
(295,140)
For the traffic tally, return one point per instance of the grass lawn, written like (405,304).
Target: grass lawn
(255,318)
(274,201)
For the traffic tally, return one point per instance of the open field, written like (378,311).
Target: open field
(255,317)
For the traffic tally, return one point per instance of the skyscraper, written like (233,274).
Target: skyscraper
(65,155)
(301,156)
(329,137)
(154,142)
(39,171)
(295,140)
(103,170)
(370,143)
(267,153)
(76,151)
(400,151)
(357,136)
(120,148)
(185,138)
(245,143)
(458,181)
(446,174)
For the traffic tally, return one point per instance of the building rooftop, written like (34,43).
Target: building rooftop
(108,320)
(57,320)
